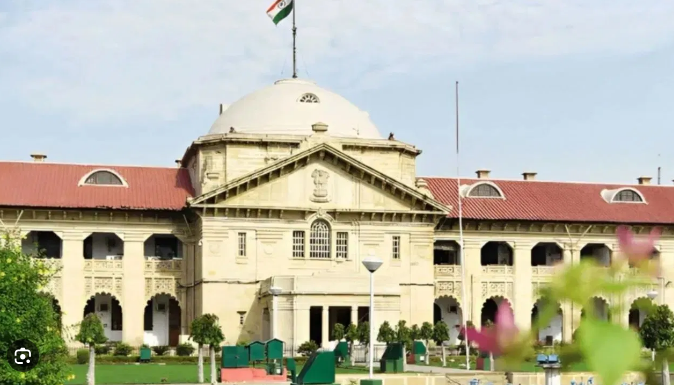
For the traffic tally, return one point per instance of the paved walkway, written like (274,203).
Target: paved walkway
(432,369)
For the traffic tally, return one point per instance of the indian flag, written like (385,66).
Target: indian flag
(280,10)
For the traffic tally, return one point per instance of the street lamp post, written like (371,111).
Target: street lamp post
(275,291)
(372,263)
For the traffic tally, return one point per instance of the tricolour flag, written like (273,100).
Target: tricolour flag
(280,10)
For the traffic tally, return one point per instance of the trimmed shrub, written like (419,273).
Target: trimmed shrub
(185,350)
(160,350)
(122,349)
(83,356)
(307,348)
(102,350)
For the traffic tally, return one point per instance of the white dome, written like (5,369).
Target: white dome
(291,106)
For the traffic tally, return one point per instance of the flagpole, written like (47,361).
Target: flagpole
(462,259)
(294,43)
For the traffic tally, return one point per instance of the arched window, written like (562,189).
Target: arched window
(309,98)
(627,196)
(104,178)
(484,190)
(319,240)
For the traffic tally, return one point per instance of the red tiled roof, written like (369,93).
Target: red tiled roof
(557,201)
(52,185)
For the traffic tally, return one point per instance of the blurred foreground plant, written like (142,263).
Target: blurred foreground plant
(608,349)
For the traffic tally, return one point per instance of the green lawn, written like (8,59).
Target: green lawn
(153,373)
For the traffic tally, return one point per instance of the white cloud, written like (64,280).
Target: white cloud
(121,58)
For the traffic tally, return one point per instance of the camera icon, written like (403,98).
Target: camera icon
(22,356)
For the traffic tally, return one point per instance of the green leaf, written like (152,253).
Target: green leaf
(609,349)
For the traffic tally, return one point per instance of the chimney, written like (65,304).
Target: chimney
(179,163)
(482,174)
(529,175)
(644,180)
(38,157)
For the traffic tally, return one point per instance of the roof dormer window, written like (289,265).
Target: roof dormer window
(627,196)
(623,195)
(103,178)
(482,190)
(309,98)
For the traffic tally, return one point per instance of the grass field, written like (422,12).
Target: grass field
(153,373)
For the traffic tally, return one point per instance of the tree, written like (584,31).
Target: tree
(426,334)
(386,333)
(440,332)
(657,333)
(415,333)
(403,334)
(206,331)
(27,314)
(351,336)
(363,331)
(91,334)
(338,332)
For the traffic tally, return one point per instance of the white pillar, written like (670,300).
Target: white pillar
(274,317)
(371,350)
(325,327)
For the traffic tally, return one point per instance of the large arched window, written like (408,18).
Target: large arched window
(484,190)
(102,178)
(627,196)
(319,240)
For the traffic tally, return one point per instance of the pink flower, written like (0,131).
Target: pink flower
(637,251)
(498,337)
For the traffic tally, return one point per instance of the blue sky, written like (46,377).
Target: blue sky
(573,90)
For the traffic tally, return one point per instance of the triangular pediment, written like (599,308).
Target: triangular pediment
(321,177)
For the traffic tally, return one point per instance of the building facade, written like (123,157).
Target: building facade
(291,188)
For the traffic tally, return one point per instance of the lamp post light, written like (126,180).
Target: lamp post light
(372,263)
(652,294)
(275,291)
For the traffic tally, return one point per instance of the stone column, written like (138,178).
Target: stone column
(471,262)
(354,315)
(571,254)
(325,327)
(665,285)
(134,301)
(522,287)
(72,280)
(302,326)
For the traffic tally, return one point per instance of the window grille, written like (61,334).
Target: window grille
(319,240)
(298,244)
(342,245)
(242,244)
(395,250)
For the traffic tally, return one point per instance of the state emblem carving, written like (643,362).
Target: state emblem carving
(320,178)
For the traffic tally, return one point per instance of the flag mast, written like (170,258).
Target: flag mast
(462,259)
(294,44)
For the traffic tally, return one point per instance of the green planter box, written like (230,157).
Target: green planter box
(234,357)
(274,349)
(256,351)
(145,355)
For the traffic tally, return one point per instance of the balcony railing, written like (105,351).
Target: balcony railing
(542,270)
(172,265)
(453,271)
(497,270)
(95,265)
